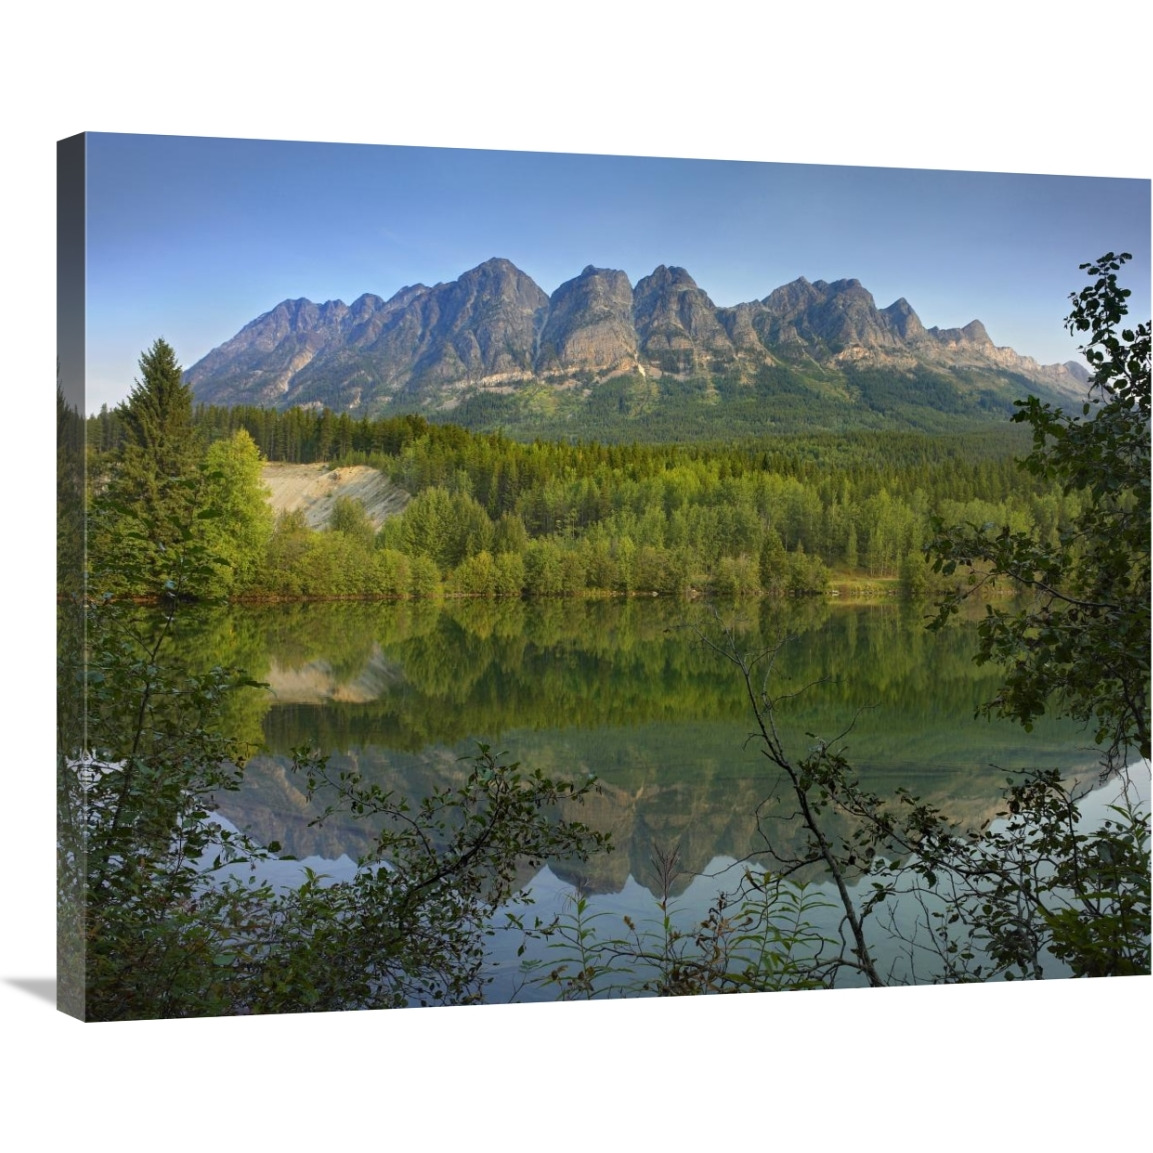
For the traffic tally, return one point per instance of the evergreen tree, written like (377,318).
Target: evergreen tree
(148,510)
(160,445)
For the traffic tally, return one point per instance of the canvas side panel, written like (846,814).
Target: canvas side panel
(70,539)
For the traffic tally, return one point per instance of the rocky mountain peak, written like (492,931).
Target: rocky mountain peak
(675,321)
(408,294)
(494,266)
(493,327)
(975,333)
(833,317)
(589,325)
(497,278)
(972,333)
(667,276)
(904,321)
(785,305)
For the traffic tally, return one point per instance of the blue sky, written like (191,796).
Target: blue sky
(190,238)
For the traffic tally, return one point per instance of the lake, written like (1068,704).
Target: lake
(623,689)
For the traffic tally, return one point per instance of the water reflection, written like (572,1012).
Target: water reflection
(622,689)
(609,913)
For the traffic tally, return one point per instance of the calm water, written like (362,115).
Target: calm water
(625,690)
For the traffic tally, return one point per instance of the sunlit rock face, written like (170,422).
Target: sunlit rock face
(673,315)
(590,324)
(495,328)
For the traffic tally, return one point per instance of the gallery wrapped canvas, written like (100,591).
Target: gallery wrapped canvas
(460,601)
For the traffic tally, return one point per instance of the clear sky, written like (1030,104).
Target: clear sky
(191,238)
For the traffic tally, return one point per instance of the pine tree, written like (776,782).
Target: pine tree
(160,445)
(146,516)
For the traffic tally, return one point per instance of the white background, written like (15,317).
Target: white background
(1015,87)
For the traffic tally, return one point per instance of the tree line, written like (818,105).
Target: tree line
(492,516)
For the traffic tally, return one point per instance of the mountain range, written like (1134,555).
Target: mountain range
(493,347)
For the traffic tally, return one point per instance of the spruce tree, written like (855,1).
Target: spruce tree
(144,519)
(160,444)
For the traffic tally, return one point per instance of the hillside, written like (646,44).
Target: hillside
(314,488)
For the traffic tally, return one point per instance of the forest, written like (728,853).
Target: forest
(494,516)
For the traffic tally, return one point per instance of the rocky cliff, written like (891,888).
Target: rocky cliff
(494,329)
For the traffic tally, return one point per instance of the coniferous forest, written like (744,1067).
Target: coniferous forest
(490,515)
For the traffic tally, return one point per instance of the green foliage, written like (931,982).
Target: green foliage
(159,440)
(160,902)
(477,576)
(1033,885)
(915,576)
(424,577)
(1081,643)
(195,522)
(240,524)
(410,928)
(285,555)
(544,574)
(1000,901)
(735,577)
(688,403)
(446,527)
(1037,884)
(588,666)
(1004,901)
(773,563)
(509,534)
(510,574)
(760,938)
(861,500)
(808,575)
(349,517)
(135,831)
(70,496)
(176,920)
(70,691)
(148,503)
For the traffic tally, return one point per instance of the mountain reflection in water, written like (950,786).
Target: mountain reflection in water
(622,689)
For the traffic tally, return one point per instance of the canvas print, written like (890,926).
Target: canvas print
(490,577)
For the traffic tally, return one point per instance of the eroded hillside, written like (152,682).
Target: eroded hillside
(314,488)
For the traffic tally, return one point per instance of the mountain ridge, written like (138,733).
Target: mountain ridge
(494,331)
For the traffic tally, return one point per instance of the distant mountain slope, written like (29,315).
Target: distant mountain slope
(492,347)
